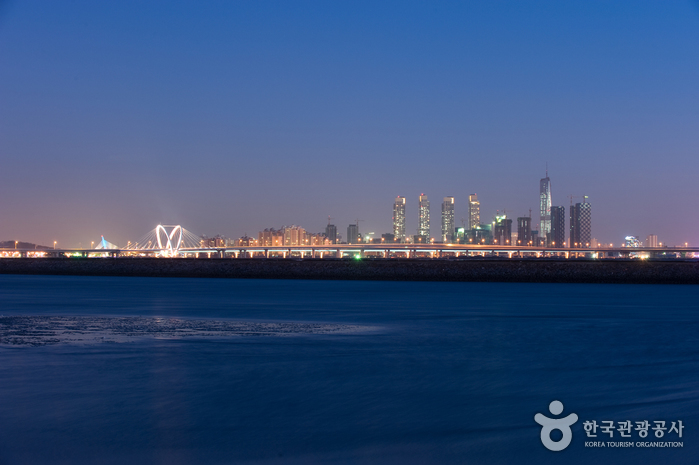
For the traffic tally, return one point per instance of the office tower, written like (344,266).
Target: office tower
(353,234)
(474,212)
(652,241)
(580,224)
(331,233)
(558,227)
(399,219)
(448,220)
(524,231)
(545,207)
(423,229)
(502,230)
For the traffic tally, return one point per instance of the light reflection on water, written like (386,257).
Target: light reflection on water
(455,375)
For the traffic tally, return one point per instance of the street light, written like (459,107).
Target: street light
(16,244)
(54,244)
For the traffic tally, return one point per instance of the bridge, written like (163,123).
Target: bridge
(172,241)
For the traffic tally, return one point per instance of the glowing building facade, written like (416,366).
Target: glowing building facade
(423,229)
(474,212)
(545,207)
(399,219)
(448,227)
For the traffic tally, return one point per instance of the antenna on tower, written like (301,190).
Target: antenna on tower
(547,169)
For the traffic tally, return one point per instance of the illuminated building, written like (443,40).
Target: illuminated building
(399,219)
(545,207)
(270,238)
(502,230)
(246,241)
(423,229)
(632,241)
(353,234)
(216,241)
(317,239)
(294,236)
(524,230)
(580,224)
(474,212)
(448,220)
(558,227)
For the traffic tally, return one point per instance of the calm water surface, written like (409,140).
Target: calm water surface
(449,373)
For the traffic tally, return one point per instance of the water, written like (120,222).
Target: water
(427,373)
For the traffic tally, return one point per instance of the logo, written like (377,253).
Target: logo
(561,424)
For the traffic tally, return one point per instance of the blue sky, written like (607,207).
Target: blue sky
(230,117)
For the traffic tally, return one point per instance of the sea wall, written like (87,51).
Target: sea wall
(502,270)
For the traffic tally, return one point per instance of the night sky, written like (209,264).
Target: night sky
(231,117)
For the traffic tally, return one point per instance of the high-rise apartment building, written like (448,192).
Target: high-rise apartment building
(399,219)
(652,241)
(558,227)
(448,226)
(545,207)
(423,228)
(580,224)
(353,234)
(524,231)
(331,233)
(474,212)
(294,236)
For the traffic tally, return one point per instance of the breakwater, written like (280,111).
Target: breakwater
(492,270)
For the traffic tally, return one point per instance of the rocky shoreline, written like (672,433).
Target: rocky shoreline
(486,270)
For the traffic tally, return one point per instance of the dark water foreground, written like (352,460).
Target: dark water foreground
(167,371)
(620,271)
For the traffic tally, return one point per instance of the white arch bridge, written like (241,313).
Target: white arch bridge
(166,241)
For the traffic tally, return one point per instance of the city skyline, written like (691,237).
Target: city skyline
(231,118)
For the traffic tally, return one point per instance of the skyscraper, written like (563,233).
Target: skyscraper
(545,207)
(524,231)
(558,226)
(353,233)
(399,219)
(448,227)
(474,212)
(423,228)
(580,224)
(331,233)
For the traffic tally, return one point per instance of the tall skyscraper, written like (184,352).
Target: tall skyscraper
(331,233)
(353,234)
(423,228)
(545,207)
(399,219)
(580,224)
(448,227)
(558,226)
(524,231)
(474,212)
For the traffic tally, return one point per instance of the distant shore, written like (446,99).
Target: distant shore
(474,269)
